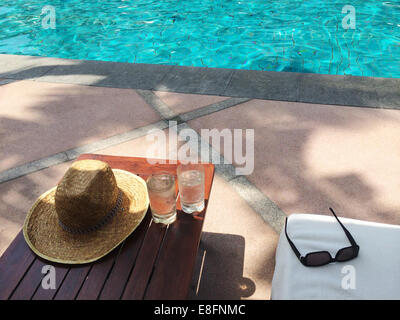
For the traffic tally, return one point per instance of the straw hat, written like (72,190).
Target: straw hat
(91,211)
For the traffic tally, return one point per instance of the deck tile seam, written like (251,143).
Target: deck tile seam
(73,153)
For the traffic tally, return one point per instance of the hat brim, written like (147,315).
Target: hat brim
(48,240)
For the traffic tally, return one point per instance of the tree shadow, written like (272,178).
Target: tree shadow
(219,266)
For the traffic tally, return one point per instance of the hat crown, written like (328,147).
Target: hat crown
(86,194)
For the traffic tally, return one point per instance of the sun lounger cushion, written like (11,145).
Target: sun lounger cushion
(374,274)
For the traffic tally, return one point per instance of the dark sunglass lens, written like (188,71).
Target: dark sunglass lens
(346,254)
(318,258)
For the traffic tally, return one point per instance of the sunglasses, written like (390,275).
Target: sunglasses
(320,258)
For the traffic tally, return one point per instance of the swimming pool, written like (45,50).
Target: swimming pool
(274,35)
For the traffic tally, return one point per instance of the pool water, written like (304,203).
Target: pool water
(274,35)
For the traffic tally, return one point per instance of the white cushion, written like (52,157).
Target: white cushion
(376,269)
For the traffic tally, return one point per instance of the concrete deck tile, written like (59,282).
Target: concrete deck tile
(108,74)
(228,103)
(388,91)
(309,157)
(211,81)
(181,102)
(146,147)
(338,90)
(263,85)
(6,81)
(49,118)
(27,67)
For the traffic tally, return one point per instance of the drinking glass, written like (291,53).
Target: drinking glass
(191,187)
(161,189)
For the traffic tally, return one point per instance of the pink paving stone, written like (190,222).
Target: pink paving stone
(147,146)
(309,157)
(38,119)
(182,102)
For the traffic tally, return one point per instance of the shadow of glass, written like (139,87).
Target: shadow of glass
(219,269)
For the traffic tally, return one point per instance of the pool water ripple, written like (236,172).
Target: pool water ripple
(284,35)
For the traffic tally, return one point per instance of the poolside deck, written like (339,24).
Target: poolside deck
(320,141)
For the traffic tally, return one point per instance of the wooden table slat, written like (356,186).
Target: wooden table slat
(115,284)
(137,283)
(171,280)
(72,282)
(29,283)
(97,276)
(14,263)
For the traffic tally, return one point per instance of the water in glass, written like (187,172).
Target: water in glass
(161,189)
(191,187)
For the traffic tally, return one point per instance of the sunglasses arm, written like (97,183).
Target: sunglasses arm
(297,253)
(349,236)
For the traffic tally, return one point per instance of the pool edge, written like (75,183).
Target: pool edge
(269,85)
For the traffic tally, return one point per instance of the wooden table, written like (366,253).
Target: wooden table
(155,262)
